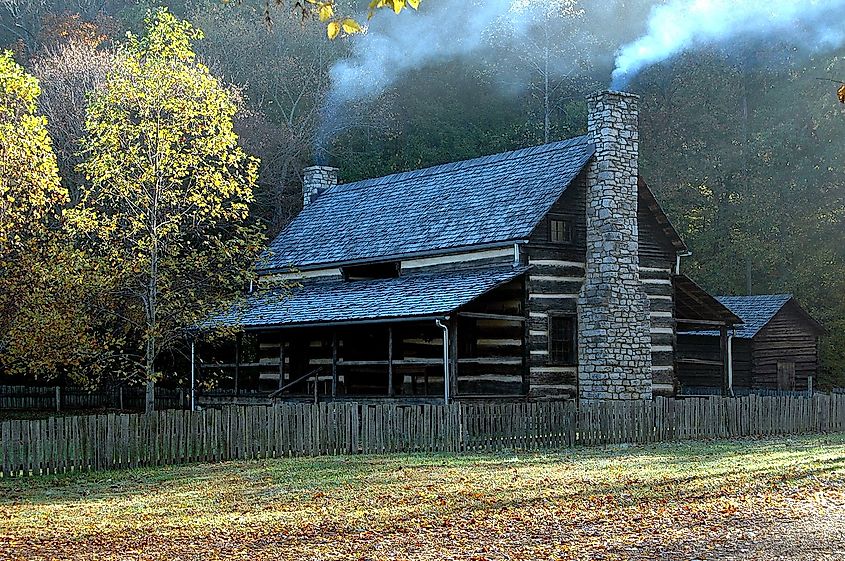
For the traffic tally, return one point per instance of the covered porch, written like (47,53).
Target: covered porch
(697,310)
(420,337)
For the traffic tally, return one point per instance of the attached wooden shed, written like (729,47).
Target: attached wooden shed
(776,348)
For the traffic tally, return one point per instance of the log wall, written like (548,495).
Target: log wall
(555,280)
(787,338)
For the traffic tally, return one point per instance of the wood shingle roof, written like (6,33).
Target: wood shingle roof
(494,199)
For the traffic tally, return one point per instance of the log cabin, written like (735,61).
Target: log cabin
(543,273)
(775,348)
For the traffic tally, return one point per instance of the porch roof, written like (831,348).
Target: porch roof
(409,296)
(695,306)
(757,311)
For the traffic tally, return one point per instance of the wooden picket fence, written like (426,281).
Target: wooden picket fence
(55,398)
(101,442)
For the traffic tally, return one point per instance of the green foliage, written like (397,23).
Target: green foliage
(337,24)
(746,159)
(49,329)
(165,213)
(744,154)
(419,133)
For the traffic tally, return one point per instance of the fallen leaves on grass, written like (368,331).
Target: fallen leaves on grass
(672,502)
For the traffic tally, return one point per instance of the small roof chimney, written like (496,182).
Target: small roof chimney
(315,180)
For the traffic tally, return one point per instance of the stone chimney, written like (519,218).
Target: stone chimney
(614,339)
(315,180)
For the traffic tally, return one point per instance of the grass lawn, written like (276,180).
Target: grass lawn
(750,499)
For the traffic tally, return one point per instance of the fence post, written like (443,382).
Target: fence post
(58,399)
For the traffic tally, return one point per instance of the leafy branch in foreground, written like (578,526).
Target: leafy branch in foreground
(336,24)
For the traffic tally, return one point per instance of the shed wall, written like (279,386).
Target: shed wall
(787,338)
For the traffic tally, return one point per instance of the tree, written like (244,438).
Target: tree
(556,48)
(336,24)
(68,70)
(165,209)
(283,91)
(40,325)
(30,190)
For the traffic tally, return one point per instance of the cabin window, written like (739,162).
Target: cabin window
(562,335)
(371,271)
(560,231)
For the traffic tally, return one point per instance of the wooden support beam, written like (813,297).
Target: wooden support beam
(227,365)
(526,336)
(281,363)
(391,391)
(501,317)
(453,357)
(723,354)
(334,364)
(238,341)
(711,323)
(701,361)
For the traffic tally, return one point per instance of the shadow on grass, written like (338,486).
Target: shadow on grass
(676,470)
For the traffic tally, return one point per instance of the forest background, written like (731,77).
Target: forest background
(740,141)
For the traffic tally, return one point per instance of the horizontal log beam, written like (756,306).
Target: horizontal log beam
(500,317)
(241,365)
(699,361)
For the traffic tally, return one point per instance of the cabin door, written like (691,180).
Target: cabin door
(786,375)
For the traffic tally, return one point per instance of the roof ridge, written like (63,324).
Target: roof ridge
(747,296)
(451,166)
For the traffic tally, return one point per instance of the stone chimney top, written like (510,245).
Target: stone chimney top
(613,120)
(315,180)
(611,93)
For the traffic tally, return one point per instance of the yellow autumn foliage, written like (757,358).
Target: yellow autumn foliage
(30,189)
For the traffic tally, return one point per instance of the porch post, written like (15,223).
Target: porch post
(193,375)
(453,356)
(391,391)
(723,350)
(238,338)
(281,362)
(446,382)
(334,363)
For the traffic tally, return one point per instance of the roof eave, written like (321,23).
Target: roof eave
(668,228)
(388,258)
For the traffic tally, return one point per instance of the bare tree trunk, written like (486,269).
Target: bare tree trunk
(152,307)
(546,105)
(150,398)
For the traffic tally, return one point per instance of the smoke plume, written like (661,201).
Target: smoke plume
(681,25)
(599,35)
(481,30)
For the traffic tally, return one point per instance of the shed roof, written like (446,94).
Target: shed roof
(412,295)
(756,312)
(487,200)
